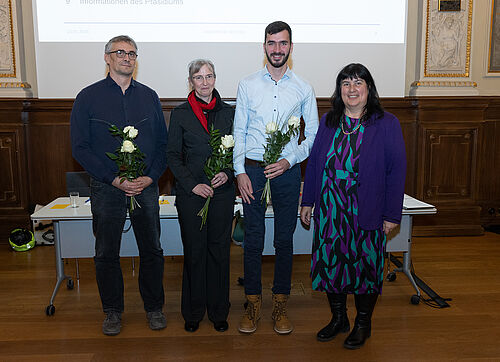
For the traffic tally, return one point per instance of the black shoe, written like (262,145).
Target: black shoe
(191,326)
(333,328)
(365,303)
(221,326)
(357,337)
(339,322)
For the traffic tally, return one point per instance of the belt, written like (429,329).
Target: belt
(253,163)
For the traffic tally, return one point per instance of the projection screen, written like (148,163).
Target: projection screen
(327,34)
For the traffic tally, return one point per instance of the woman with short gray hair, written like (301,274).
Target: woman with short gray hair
(205,281)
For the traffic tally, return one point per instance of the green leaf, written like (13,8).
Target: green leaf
(112,156)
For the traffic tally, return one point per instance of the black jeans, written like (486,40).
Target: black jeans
(285,190)
(109,211)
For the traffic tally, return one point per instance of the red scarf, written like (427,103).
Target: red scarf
(198,108)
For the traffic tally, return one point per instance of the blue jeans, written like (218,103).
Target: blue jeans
(285,190)
(109,211)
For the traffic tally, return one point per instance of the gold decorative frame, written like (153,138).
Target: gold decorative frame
(494,44)
(12,71)
(430,25)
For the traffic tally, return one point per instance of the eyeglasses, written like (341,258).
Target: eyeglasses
(199,78)
(120,53)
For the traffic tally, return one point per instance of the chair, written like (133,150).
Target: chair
(78,181)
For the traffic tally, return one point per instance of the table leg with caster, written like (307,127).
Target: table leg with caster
(50,309)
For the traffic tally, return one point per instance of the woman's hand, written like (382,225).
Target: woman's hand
(219,180)
(203,190)
(388,226)
(305,214)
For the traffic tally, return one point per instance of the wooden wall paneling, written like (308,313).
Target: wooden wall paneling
(450,164)
(489,165)
(407,113)
(452,144)
(449,133)
(49,148)
(13,175)
(324,106)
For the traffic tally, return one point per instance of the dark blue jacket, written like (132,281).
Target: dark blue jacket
(103,103)
(382,171)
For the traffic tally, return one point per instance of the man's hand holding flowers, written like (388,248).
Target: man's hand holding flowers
(276,141)
(129,160)
(133,187)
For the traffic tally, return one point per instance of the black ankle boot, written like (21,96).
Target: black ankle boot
(339,322)
(362,326)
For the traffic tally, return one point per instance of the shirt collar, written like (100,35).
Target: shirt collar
(287,75)
(110,82)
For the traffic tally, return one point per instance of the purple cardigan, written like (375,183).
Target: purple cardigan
(382,170)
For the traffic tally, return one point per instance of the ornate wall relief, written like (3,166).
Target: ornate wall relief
(448,35)
(11,79)
(446,46)
(7,54)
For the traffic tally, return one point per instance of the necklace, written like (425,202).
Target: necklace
(354,129)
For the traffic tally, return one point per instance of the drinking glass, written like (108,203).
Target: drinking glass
(73,198)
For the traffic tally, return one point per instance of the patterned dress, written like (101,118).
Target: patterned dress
(345,258)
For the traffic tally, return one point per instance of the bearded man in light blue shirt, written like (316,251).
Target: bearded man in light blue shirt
(272,94)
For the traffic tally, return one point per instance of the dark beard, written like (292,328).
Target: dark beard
(280,64)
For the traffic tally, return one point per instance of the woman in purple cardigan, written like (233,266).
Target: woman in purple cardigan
(355,180)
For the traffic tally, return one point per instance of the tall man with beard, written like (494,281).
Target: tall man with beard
(269,95)
(121,100)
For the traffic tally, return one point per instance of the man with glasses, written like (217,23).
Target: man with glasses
(122,101)
(271,94)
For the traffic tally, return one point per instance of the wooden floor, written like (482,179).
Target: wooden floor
(463,268)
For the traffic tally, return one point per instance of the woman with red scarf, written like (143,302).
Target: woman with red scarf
(205,282)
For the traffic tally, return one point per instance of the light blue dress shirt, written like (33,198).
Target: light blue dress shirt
(261,100)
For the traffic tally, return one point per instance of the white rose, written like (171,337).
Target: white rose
(294,122)
(227,141)
(132,132)
(127,146)
(271,127)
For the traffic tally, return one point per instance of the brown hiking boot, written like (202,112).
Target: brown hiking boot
(248,323)
(282,324)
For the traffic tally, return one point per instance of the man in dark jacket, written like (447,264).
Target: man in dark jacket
(122,101)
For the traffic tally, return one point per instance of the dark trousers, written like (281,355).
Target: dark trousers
(205,278)
(285,191)
(109,210)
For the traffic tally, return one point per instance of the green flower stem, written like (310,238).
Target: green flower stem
(203,213)
(266,193)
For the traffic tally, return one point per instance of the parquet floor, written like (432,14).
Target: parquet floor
(463,268)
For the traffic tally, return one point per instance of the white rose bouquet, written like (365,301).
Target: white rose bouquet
(277,139)
(220,159)
(127,157)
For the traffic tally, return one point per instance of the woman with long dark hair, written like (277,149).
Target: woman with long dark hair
(355,180)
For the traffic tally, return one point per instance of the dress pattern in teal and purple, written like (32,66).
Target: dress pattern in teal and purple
(345,258)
